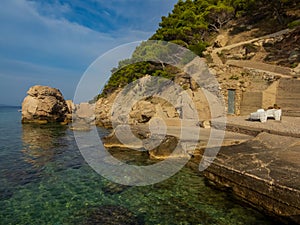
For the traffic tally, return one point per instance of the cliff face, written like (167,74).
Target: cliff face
(185,97)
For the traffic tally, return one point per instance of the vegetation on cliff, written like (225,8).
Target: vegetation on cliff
(193,24)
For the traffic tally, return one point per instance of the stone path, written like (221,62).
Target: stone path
(229,47)
(278,70)
(252,64)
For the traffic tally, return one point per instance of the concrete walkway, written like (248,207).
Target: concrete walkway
(288,126)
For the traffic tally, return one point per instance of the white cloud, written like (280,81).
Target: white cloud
(34,37)
(30,38)
(39,44)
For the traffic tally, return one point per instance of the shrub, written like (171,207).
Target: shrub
(294,24)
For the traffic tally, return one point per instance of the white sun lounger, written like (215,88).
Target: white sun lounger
(263,115)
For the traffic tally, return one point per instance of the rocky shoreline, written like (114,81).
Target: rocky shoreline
(45,104)
(259,162)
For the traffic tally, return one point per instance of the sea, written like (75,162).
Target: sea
(44,179)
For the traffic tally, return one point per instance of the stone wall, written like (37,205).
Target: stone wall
(288,96)
(269,95)
(251,101)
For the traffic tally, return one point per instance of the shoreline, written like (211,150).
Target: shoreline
(258,162)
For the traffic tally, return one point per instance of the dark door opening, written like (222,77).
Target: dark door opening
(231,101)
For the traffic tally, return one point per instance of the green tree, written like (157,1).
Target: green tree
(218,15)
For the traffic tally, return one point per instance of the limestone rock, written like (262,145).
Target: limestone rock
(221,41)
(103,110)
(142,112)
(297,70)
(83,117)
(205,124)
(151,97)
(170,112)
(85,112)
(44,104)
(71,110)
(80,126)
(132,139)
(166,147)
(71,106)
(163,145)
(294,56)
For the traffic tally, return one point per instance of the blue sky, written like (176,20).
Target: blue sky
(53,42)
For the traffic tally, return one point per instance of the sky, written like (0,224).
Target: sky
(53,42)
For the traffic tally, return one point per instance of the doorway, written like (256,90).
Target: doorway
(231,101)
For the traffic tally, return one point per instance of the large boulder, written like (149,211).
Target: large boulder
(44,104)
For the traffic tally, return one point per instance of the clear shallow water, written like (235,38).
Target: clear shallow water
(45,180)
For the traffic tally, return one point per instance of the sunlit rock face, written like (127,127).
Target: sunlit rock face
(44,104)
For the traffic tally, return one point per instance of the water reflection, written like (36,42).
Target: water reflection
(25,155)
(41,143)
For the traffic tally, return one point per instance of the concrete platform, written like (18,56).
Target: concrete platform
(288,126)
(264,171)
(259,162)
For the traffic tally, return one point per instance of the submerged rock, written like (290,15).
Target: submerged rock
(44,104)
(157,146)
(80,126)
(114,188)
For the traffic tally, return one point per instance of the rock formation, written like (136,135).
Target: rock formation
(71,110)
(165,149)
(185,98)
(44,104)
(83,117)
(71,106)
(142,112)
(103,110)
(157,146)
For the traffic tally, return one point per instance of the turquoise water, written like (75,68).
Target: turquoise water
(45,180)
